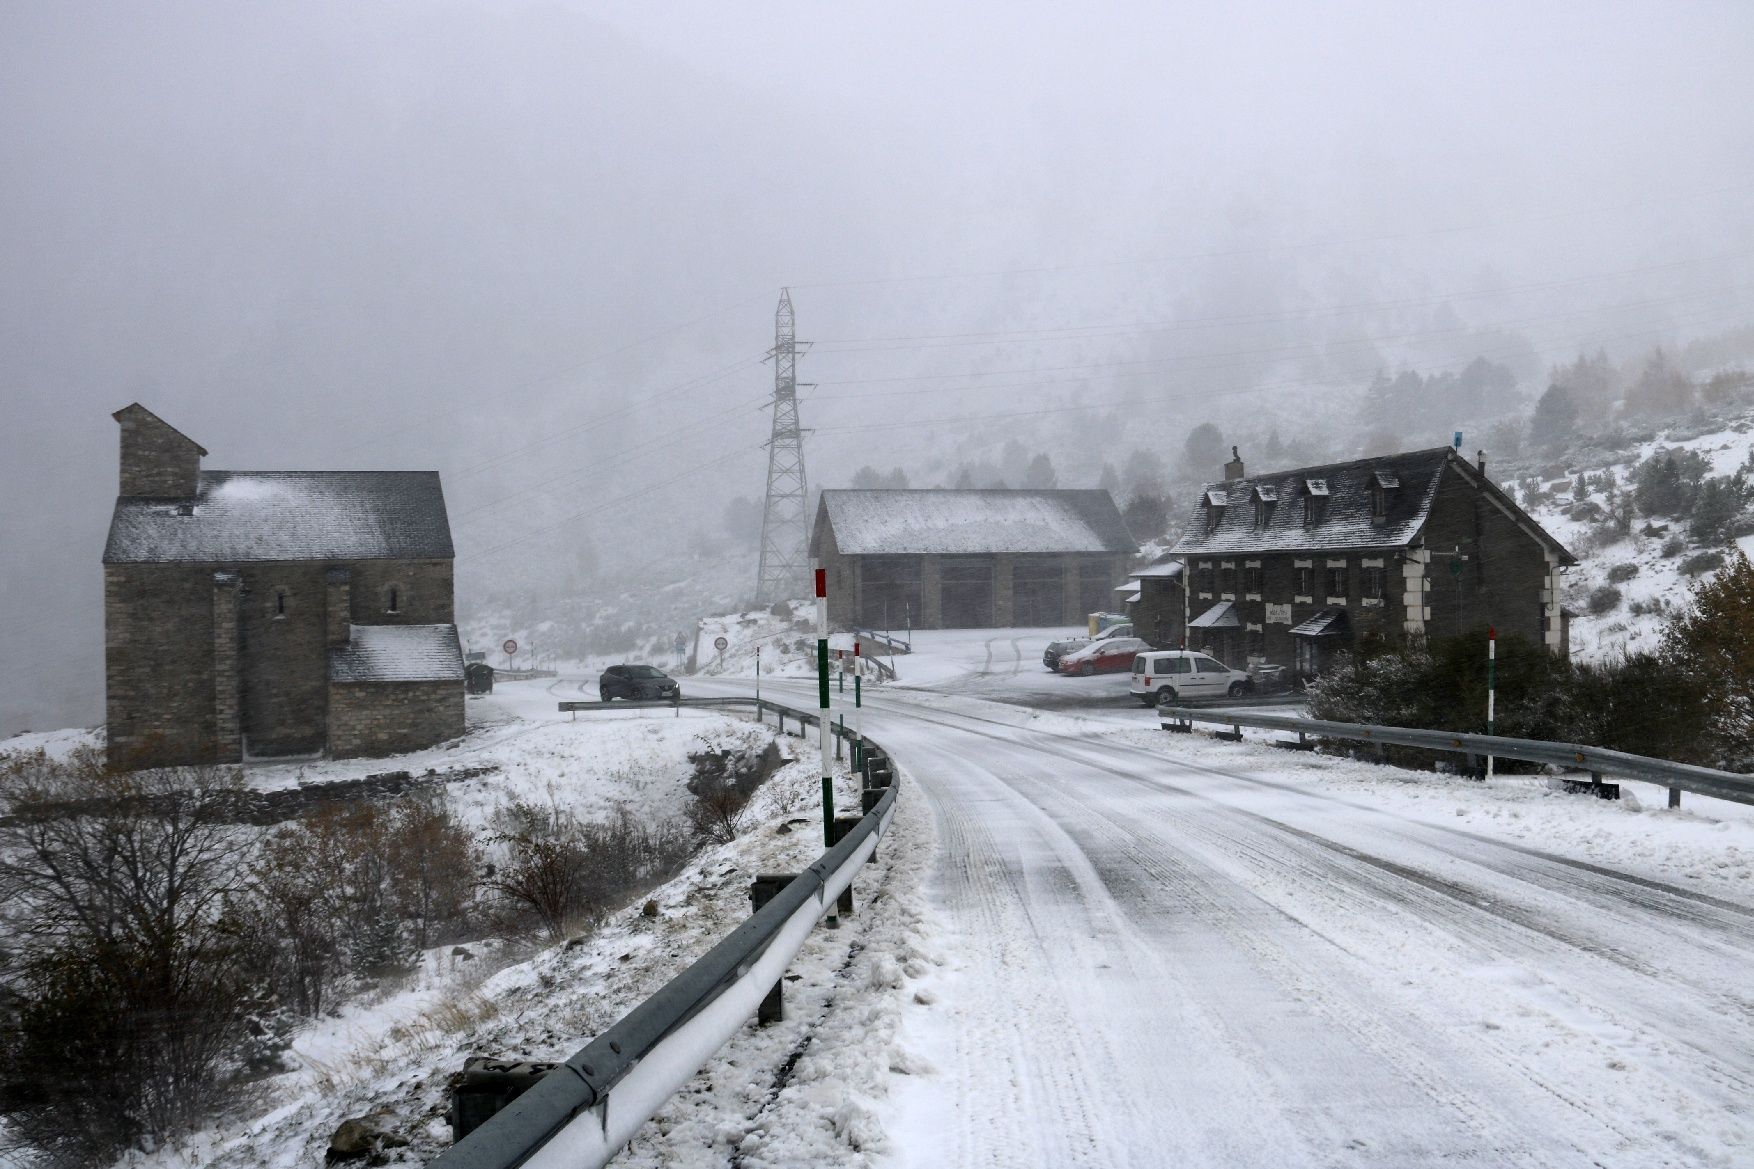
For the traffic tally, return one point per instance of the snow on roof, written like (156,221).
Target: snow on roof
(1169,568)
(287,515)
(398,653)
(1344,519)
(946,521)
(1219,616)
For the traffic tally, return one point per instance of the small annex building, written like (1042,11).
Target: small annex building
(252,614)
(1289,567)
(1155,602)
(953,559)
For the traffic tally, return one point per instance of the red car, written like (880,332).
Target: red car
(1111,655)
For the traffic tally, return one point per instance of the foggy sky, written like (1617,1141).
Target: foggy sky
(537,246)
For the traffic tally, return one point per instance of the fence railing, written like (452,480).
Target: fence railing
(1598,761)
(581,1113)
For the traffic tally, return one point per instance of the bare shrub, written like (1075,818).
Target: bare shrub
(126,984)
(566,875)
(1701,563)
(1621,573)
(1603,599)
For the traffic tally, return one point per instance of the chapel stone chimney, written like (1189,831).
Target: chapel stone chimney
(158,460)
(1233,469)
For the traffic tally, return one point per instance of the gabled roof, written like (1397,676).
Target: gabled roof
(1344,498)
(242,516)
(894,523)
(398,653)
(1219,616)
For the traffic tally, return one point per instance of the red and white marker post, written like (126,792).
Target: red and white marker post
(822,704)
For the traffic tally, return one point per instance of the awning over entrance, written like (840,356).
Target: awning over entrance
(1327,623)
(1219,616)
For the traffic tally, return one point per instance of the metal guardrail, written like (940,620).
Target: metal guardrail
(1599,761)
(580,1114)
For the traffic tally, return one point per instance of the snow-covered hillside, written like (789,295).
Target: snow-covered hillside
(1625,588)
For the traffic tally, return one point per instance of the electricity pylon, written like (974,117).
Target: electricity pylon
(785,528)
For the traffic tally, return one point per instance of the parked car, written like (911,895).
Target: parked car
(636,682)
(1169,675)
(1058,649)
(1111,655)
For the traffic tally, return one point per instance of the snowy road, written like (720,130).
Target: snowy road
(1156,958)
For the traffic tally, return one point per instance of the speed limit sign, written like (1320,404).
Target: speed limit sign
(510,647)
(721,643)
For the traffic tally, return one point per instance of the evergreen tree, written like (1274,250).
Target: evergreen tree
(1555,419)
(1204,452)
(1039,475)
(1714,638)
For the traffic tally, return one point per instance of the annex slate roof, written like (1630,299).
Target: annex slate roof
(1219,616)
(240,516)
(1346,512)
(398,653)
(1325,623)
(915,522)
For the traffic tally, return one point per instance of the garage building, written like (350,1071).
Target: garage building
(945,559)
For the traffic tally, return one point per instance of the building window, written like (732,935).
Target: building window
(1254,579)
(393,599)
(1374,583)
(1315,501)
(279,603)
(1257,643)
(1304,583)
(1207,576)
(1227,579)
(1336,580)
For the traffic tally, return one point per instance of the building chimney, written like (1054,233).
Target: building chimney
(158,460)
(1233,469)
(1480,457)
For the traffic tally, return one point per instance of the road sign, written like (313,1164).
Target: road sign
(721,643)
(510,647)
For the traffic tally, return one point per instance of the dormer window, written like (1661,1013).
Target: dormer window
(1215,501)
(1315,501)
(1266,498)
(1381,483)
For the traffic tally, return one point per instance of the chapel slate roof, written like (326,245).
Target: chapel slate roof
(398,653)
(241,516)
(949,522)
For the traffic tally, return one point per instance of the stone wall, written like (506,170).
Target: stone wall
(1503,580)
(159,642)
(388,718)
(424,594)
(283,657)
(157,461)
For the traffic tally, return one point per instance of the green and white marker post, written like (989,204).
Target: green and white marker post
(822,719)
(1491,686)
(858,709)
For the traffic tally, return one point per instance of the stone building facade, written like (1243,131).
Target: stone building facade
(246,613)
(945,559)
(1156,603)
(1287,568)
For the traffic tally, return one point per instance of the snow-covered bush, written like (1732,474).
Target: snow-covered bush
(1603,599)
(1702,562)
(1621,573)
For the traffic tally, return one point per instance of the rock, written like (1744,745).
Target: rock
(650,909)
(362,1136)
(575,943)
(462,952)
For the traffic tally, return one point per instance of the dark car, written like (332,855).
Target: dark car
(1059,649)
(636,682)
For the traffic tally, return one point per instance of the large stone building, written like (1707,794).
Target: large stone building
(943,559)
(274,613)
(1288,567)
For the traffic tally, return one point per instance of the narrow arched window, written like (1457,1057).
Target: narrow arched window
(393,599)
(279,603)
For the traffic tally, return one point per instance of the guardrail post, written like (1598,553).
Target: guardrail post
(761,891)
(837,832)
(488,1085)
(1674,797)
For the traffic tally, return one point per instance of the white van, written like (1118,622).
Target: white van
(1165,675)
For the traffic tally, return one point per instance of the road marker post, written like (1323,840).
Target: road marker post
(1491,686)
(858,708)
(822,717)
